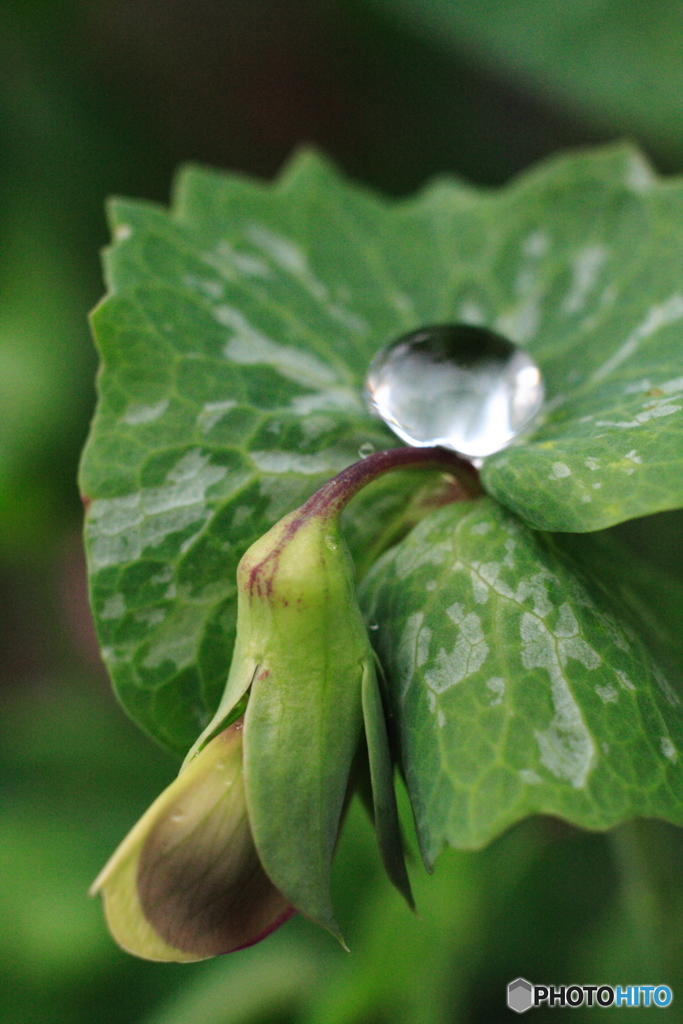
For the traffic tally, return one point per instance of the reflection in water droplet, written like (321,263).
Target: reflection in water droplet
(455,385)
(366,449)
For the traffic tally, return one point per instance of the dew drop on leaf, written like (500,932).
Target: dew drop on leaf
(456,385)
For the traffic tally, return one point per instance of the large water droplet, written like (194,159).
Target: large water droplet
(455,385)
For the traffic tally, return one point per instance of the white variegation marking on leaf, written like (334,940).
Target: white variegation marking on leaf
(333,399)
(536,244)
(413,650)
(291,258)
(559,471)
(164,576)
(456,612)
(658,316)
(638,177)
(136,413)
(566,746)
(402,303)
(472,313)
(651,410)
(233,264)
(638,386)
(212,413)
(586,266)
(467,657)
(114,607)
(206,286)
(480,589)
(314,426)
(122,528)
(624,680)
(250,347)
(497,685)
(520,323)
(581,651)
(153,617)
(567,624)
(292,462)
(668,749)
(665,687)
(283,251)
(409,559)
(181,633)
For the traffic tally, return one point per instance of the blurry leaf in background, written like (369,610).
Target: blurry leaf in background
(45,365)
(73,771)
(615,63)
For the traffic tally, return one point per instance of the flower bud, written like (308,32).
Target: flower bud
(186,883)
(303,655)
(245,834)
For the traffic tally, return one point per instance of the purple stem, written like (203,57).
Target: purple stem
(333,496)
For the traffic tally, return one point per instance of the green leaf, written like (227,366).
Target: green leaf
(516,685)
(617,64)
(234,343)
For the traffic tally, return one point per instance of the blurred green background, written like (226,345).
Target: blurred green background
(109,96)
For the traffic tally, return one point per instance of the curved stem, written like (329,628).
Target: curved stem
(329,501)
(333,496)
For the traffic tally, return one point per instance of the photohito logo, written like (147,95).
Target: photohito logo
(522,995)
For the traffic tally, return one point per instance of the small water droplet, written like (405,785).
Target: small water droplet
(177,816)
(331,543)
(373,625)
(456,385)
(366,449)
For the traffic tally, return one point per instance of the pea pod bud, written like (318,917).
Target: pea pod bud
(262,813)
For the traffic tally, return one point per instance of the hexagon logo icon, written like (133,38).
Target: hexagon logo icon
(520,995)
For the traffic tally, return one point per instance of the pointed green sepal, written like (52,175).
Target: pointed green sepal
(303,719)
(385,811)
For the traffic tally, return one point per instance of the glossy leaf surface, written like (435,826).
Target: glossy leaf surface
(234,343)
(518,683)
